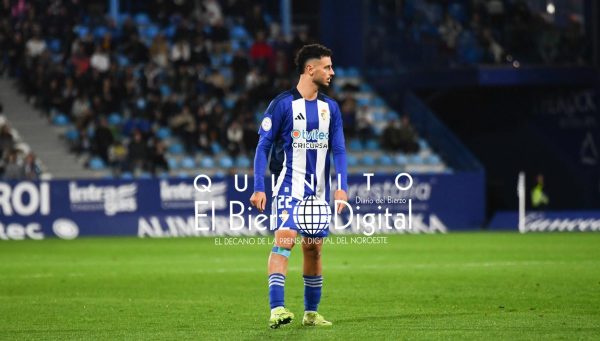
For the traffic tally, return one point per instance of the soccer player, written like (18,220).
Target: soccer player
(302,127)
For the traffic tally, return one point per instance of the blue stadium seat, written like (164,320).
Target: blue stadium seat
(401,159)
(238,32)
(145,175)
(163,175)
(165,90)
(96,163)
(150,32)
(183,175)
(216,148)
(54,45)
(173,164)
(372,145)
(392,115)
(355,145)
(176,148)
(243,162)
(353,72)
(207,162)
(122,60)
(115,119)
(163,133)
(127,176)
(368,160)
(416,159)
(81,30)
(352,160)
(362,101)
(386,160)
(188,163)
(225,162)
(423,144)
(142,19)
(170,31)
(61,120)
(433,159)
(100,31)
(72,134)
(378,102)
(229,103)
(219,175)
(340,72)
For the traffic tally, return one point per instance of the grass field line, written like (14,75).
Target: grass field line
(261,268)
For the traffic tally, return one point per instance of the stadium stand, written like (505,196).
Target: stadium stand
(168,93)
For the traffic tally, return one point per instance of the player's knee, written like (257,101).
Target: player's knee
(312,250)
(285,240)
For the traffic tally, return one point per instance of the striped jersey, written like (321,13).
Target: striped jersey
(301,135)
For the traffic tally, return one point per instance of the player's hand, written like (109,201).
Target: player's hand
(259,200)
(340,195)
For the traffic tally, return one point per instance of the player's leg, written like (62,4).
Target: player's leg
(313,281)
(278,263)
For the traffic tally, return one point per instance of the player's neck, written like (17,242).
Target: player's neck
(307,88)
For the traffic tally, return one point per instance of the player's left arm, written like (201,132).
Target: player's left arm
(338,147)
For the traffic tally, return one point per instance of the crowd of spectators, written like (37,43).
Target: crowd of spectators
(468,32)
(118,81)
(15,164)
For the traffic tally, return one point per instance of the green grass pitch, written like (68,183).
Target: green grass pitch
(455,286)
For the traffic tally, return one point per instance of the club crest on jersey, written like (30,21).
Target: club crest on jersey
(266,124)
(324,114)
(284,216)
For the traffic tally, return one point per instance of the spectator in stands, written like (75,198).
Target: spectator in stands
(364,123)
(35,46)
(117,157)
(181,52)
(184,125)
(219,35)
(261,52)
(100,60)
(31,167)
(349,116)
(7,141)
(254,20)
(391,136)
(158,161)
(159,51)
(407,136)
(12,169)
(135,50)
(240,67)
(103,139)
(212,12)
(203,138)
(235,138)
(137,153)
(81,110)
(83,144)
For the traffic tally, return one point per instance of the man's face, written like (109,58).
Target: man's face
(321,71)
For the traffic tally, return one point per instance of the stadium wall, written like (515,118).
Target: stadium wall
(175,207)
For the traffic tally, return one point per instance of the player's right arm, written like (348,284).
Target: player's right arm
(267,132)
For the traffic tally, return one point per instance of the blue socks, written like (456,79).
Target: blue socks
(276,286)
(312,292)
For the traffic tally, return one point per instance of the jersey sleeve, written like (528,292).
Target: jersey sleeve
(269,128)
(338,147)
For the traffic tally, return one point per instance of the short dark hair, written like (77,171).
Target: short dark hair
(311,51)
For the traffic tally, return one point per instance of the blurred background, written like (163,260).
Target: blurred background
(463,95)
